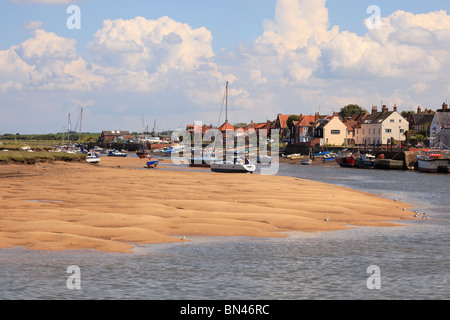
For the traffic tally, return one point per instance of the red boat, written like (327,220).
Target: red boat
(345,160)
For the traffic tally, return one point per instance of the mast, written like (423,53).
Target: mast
(68,131)
(226,103)
(81,118)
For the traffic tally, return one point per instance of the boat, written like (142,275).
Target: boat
(232,167)
(92,157)
(321,153)
(345,159)
(116,153)
(365,161)
(329,157)
(434,160)
(142,152)
(306,161)
(152,163)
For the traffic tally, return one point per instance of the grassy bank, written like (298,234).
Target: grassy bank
(34,157)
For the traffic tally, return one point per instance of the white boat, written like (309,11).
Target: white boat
(232,167)
(306,161)
(115,153)
(92,157)
(433,160)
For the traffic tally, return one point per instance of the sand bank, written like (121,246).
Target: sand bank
(112,206)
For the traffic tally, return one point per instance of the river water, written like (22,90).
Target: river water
(412,260)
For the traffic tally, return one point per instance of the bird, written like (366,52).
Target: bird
(326,219)
(183,238)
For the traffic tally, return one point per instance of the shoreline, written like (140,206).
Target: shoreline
(111,206)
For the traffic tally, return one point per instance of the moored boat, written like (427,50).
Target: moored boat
(345,159)
(365,161)
(116,153)
(232,167)
(92,157)
(433,160)
(306,161)
(152,163)
(330,157)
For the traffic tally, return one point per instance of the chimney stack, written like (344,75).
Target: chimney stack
(316,116)
(385,109)
(374,109)
(444,107)
(419,109)
(395,108)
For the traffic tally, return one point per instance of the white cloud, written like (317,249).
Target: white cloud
(31,25)
(297,64)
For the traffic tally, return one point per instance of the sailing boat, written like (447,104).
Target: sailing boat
(142,151)
(237,165)
(308,160)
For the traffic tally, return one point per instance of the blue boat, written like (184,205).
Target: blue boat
(331,157)
(152,163)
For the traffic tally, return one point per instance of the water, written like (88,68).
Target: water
(413,260)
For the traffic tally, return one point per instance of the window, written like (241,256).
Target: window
(388,130)
(392,120)
(399,120)
(402,130)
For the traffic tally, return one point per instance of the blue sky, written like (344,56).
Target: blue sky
(280,56)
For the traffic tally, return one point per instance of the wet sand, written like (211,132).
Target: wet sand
(112,206)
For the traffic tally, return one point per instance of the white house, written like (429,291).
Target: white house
(441,119)
(381,127)
(335,132)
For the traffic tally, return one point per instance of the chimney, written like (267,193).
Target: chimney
(395,108)
(444,106)
(385,109)
(374,109)
(419,109)
(335,114)
(316,116)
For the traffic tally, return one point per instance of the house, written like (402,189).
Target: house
(114,136)
(442,138)
(421,120)
(382,127)
(354,127)
(335,132)
(302,131)
(440,120)
(281,124)
(259,127)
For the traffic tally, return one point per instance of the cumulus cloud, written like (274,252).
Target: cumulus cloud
(298,63)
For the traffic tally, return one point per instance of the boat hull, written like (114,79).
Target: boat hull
(434,166)
(365,164)
(346,162)
(142,155)
(306,162)
(232,168)
(152,164)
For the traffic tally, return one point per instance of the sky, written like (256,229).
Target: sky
(167,62)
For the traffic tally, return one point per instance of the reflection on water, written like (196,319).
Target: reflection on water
(326,265)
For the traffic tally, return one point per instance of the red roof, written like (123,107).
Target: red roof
(305,121)
(226,126)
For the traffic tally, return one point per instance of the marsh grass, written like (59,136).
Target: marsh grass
(34,157)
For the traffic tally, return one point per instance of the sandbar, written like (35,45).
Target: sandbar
(118,204)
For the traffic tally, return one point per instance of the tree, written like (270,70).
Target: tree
(291,119)
(350,110)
